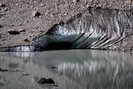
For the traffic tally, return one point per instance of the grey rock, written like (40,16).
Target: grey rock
(36,13)
(13,32)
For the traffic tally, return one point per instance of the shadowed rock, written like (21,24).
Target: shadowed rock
(3,70)
(46,81)
(13,32)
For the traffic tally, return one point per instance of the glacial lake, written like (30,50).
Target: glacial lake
(69,69)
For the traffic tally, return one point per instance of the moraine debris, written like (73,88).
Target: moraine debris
(22,30)
(3,70)
(2,5)
(0,26)
(36,14)
(26,40)
(13,32)
(76,1)
(46,81)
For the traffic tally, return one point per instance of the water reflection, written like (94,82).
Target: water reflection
(87,68)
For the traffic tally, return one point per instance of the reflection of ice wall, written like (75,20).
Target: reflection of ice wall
(103,69)
(90,68)
(10,63)
(22,54)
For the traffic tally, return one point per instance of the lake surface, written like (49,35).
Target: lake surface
(69,69)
